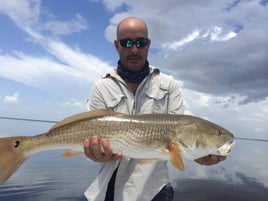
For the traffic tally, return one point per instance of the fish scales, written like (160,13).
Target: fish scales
(123,133)
(144,136)
(137,131)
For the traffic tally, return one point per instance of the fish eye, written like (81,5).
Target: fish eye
(16,144)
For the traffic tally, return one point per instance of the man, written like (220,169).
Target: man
(134,87)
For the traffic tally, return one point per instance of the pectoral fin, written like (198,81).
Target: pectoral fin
(176,157)
(70,153)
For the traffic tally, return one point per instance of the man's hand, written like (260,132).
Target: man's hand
(99,150)
(210,160)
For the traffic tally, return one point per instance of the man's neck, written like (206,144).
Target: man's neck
(133,76)
(132,86)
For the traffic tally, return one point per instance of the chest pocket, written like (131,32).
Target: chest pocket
(114,97)
(115,101)
(158,97)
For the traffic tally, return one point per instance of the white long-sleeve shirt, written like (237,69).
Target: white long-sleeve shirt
(157,93)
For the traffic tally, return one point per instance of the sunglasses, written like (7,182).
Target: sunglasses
(128,43)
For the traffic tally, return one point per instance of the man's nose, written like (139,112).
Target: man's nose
(134,49)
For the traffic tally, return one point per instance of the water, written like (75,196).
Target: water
(242,177)
(217,190)
(47,176)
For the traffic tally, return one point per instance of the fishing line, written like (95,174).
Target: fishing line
(251,139)
(36,120)
(49,121)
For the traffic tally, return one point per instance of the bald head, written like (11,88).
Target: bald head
(132,29)
(131,24)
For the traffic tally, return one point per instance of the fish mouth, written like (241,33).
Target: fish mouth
(226,148)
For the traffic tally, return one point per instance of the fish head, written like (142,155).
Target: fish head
(198,137)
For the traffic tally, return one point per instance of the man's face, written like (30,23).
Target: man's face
(132,58)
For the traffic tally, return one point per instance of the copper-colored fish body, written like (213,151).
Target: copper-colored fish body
(144,136)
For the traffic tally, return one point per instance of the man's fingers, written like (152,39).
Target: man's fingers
(107,151)
(99,150)
(118,155)
(95,148)
(87,149)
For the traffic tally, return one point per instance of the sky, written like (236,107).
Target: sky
(51,52)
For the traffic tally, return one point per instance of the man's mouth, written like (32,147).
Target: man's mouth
(134,58)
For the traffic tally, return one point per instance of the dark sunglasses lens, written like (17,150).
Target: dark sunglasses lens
(141,42)
(127,43)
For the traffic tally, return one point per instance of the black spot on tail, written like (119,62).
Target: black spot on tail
(16,144)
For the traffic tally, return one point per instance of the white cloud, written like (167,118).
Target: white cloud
(62,64)
(75,71)
(216,34)
(24,13)
(65,27)
(11,99)
(76,59)
(249,120)
(228,55)
(177,44)
(112,5)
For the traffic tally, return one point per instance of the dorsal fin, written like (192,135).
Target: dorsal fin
(85,115)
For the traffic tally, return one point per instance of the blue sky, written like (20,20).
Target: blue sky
(51,52)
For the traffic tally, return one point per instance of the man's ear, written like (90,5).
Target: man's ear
(116,44)
(149,42)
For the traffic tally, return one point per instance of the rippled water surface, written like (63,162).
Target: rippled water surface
(242,177)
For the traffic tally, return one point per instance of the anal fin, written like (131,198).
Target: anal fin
(147,161)
(71,153)
(176,157)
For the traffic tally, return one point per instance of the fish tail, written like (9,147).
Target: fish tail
(11,156)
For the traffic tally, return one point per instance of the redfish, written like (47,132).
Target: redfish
(143,136)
